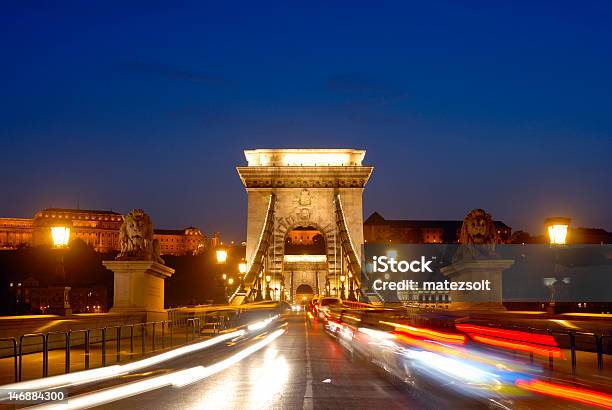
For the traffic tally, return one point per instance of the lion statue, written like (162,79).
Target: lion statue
(478,236)
(136,238)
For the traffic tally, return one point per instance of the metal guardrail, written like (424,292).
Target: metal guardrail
(570,335)
(210,318)
(215,320)
(67,344)
(598,339)
(15,363)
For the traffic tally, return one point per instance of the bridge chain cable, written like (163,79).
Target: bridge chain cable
(261,251)
(354,264)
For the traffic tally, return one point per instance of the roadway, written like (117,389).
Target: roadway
(303,369)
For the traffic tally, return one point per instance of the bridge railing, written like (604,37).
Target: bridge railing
(599,343)
(151,333)
(100,346)
(356,305)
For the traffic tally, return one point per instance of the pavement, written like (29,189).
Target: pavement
(305,368)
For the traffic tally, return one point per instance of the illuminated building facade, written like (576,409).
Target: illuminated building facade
(180,241)
(98,229)
(377,229)
(15,232)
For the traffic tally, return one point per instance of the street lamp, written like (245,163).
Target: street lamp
(60,234)
(230,281)
(268,279)
(557,234)
(259,286)
(242,267)
(351,288)
(342,279)
(221,255)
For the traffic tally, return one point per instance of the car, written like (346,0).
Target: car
(312,305)
(325,303)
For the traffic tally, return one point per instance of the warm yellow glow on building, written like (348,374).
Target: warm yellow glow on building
(60,235)
(304,157)
(305,258)
(97,228)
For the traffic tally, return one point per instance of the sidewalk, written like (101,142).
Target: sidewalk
(33,362)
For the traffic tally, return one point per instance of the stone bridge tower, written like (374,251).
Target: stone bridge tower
(290,189)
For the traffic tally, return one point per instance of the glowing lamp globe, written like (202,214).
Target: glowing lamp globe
(557,230)
(60,236)
(221,255)
(242,267)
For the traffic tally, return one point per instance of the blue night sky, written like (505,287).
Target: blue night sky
(501,105)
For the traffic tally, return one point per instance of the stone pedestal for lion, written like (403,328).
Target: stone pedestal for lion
(139,287)
(475,271)
(139,269)
(475,261)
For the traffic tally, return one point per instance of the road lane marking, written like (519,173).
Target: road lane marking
(308,399)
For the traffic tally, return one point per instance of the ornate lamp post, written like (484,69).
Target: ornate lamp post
(282,289)
(342,279)
(221,254)
(242,267)
(351,289)
(268,279)
(557,228)
(259,295)
(60,235)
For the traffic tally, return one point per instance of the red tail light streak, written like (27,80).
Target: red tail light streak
(542,345)
(589,397)
(443,337)
(547,340)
